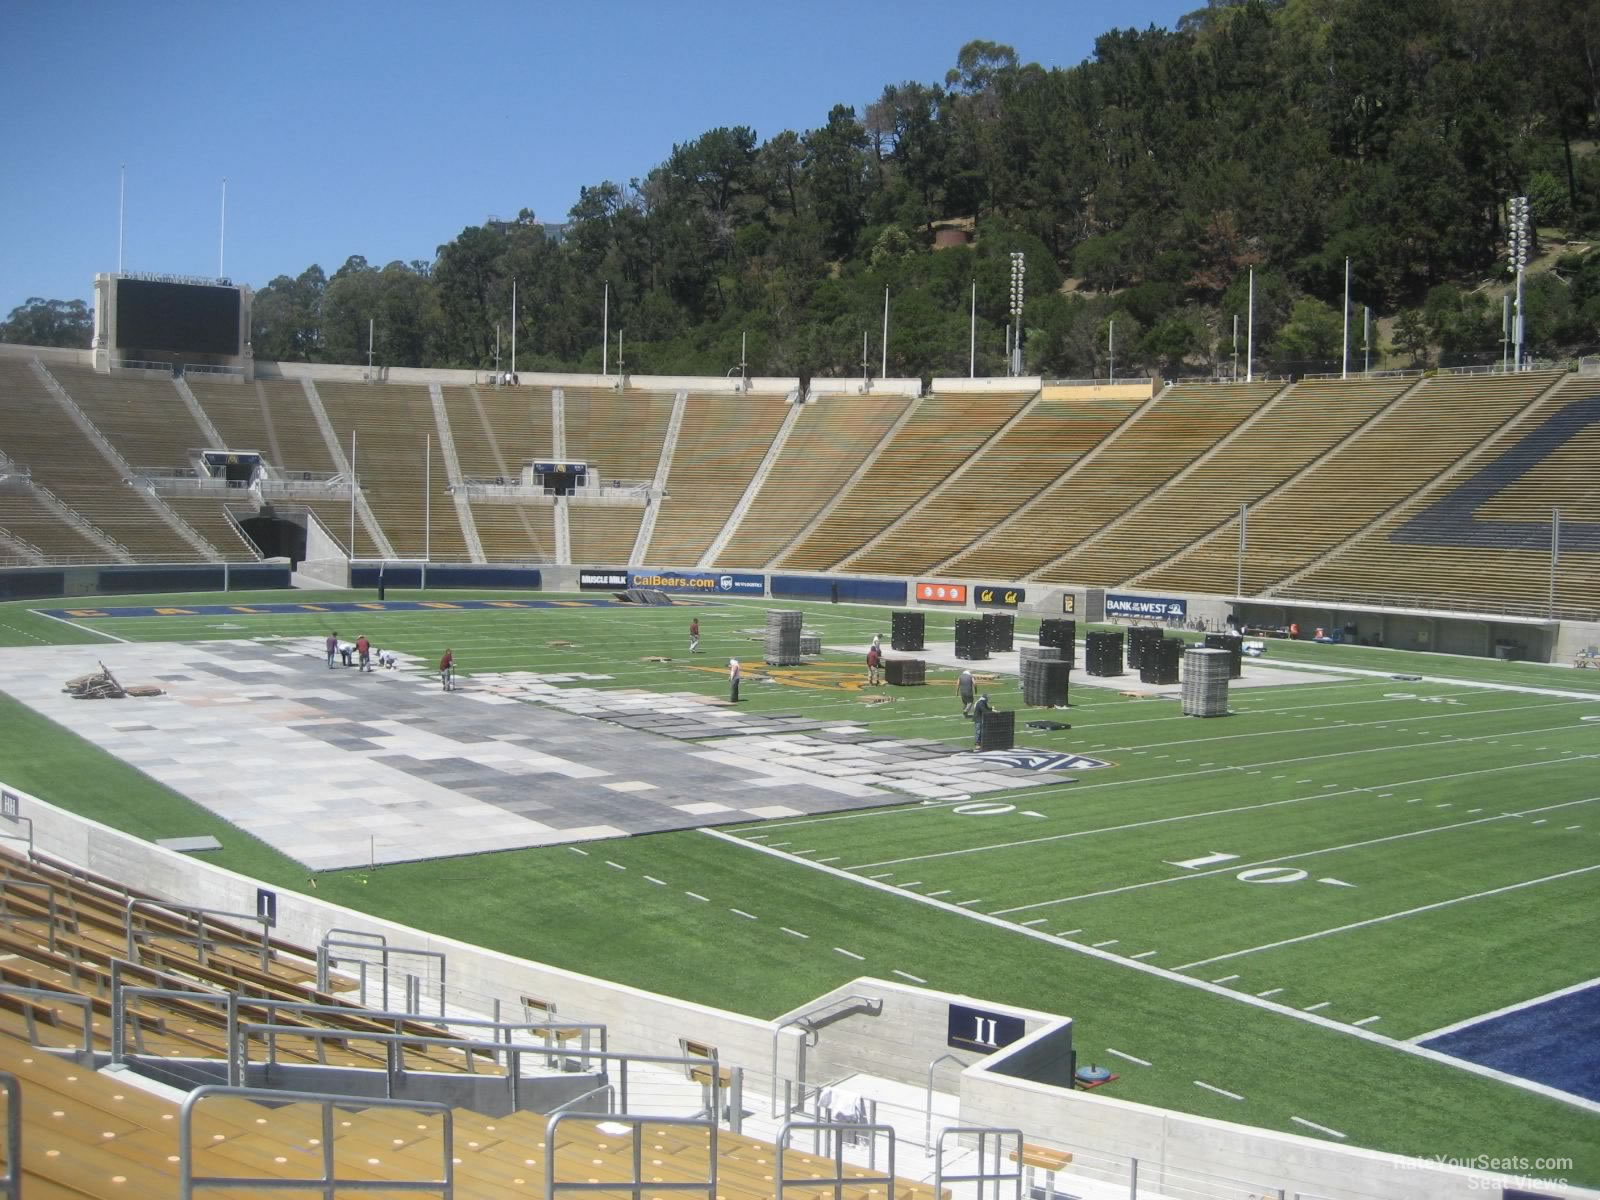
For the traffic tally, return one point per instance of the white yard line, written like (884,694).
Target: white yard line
(1237,865)
(1170,975)
(1394,916)
(1506,1011)
(1217,812)
(1142,1062)
(1201,1083)
(908,975)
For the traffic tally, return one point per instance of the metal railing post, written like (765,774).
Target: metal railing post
(11,1181)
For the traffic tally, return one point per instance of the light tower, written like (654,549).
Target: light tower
(1019,271)
(1516,261)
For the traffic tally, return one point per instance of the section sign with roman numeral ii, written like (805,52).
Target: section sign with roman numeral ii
(981,1030)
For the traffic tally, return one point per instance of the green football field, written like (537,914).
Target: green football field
(1251,918)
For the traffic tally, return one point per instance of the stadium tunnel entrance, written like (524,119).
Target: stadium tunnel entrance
(278,533)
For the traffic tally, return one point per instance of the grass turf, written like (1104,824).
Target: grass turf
(1359,780)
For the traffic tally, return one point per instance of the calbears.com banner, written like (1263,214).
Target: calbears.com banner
(703,582)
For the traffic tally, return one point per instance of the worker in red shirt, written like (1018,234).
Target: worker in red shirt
(874,659)
(364,652)
(447,670)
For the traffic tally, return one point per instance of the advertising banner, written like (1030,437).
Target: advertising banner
(989,595)
(603,579)
(704,582)
(1146,608)
(942,593)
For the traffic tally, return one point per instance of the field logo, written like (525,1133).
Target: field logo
(1038,760)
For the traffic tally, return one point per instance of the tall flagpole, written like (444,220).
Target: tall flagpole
(1250,333)
(513,326)
(883,371)
(972,336)
(605,331)
(222,228)
(427,502)
(1344,360)
(352,495)
(122,195)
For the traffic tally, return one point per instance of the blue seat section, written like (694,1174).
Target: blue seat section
(1450,521)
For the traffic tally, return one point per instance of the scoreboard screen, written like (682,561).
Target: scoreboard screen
(177,316)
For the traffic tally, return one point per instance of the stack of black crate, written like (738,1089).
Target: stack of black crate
(906,630)
(1104,653)
(972,638)
(998,629)
(1062,634)
(1142,640)
(1159,662)
(1233,643)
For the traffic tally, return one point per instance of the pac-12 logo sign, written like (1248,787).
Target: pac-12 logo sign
(982,1030)
(725,583)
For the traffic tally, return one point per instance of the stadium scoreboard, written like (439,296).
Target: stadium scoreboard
(182,321)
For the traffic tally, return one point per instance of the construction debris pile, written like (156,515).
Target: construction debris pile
(103,685)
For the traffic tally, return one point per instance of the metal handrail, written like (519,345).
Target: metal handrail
(927,1129)
(53,918)
(325,961)
(83,1002)
(11,1181)
(330,1184)
(608,1089)
(199,913)
(998,1175)
(804,1021)
(835,1130)
(637,1186)
(397,1042)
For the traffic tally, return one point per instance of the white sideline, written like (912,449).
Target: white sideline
(1443,679)
(1394,916)
(1503,1012)
(39,612)
(1377,1039)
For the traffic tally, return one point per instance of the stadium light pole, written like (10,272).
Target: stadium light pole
(1518,260)
(1344,349)
(1019,271)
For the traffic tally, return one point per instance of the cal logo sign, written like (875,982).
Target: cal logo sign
(993,596)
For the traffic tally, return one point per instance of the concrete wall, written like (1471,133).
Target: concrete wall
(1171,1147)
(903,1039)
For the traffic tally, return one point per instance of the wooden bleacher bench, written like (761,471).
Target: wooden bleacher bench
(1048,1159)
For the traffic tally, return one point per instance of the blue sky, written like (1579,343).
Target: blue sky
(384,129)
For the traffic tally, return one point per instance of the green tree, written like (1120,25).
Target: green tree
(1411,335)
(41,322)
